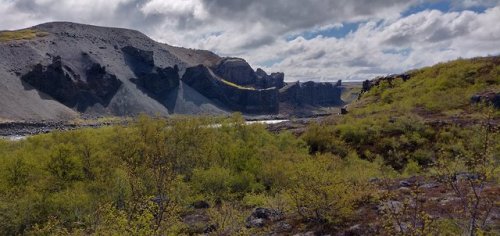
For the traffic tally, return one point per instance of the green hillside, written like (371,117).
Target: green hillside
(404,121)
(441,90)
(392,166)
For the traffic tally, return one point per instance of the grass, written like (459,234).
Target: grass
(25,34)
(235,85)
(444,89)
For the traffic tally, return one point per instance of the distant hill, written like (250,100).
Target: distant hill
(61,70)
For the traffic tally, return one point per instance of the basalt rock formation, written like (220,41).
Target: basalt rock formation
(245,99)
(153,80)
(312,93)
(236,70)
(65,70)
(71,89)
(264,80)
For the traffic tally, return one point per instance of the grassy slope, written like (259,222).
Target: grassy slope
(443,90)
(25,34)
(405,121)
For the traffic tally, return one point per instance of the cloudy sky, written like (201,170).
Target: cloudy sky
(307,39)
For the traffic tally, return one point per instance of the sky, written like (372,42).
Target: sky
(320,40)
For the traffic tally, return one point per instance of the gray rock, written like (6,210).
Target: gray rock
(61,82)
(405,183)
(466,176)
(236,70)
(343,110)
(276,80)
(255,223)
(429,185)
(311,93)
(487,97)
(201,205)
(262,216)
(393,206)
(282,226)
(248,100)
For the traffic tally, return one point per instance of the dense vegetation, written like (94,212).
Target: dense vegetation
(148,177)
(142,178)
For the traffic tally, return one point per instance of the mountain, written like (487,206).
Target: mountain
(62,70)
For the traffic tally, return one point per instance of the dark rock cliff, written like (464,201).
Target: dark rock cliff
(236,70)
(155,81)
(71,69)
(312,93)
(63,84)
(248,100)
(264,80)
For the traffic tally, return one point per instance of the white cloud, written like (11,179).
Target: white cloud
(409,42)
(385,42)
(175,8)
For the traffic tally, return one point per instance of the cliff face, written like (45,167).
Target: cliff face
(71,89)
(235,97)
(153,80)
(311,93)
(236,70)
(69,69)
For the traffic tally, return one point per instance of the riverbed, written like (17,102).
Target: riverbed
(18,134)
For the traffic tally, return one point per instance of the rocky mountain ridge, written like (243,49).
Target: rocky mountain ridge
(61,70)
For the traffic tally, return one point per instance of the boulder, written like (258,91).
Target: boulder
(54,81)
(343,110)
(391,206)
(488,97)
(263,216)
(201,205)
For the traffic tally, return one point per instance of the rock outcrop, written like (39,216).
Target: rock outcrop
(312,93)
(261,217)
(368,84)
(77,69)
(264,80)
(236,70)
(491,98)
(235,97)
(155,81)
(63,84)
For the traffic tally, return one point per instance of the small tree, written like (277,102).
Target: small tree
(468,172)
